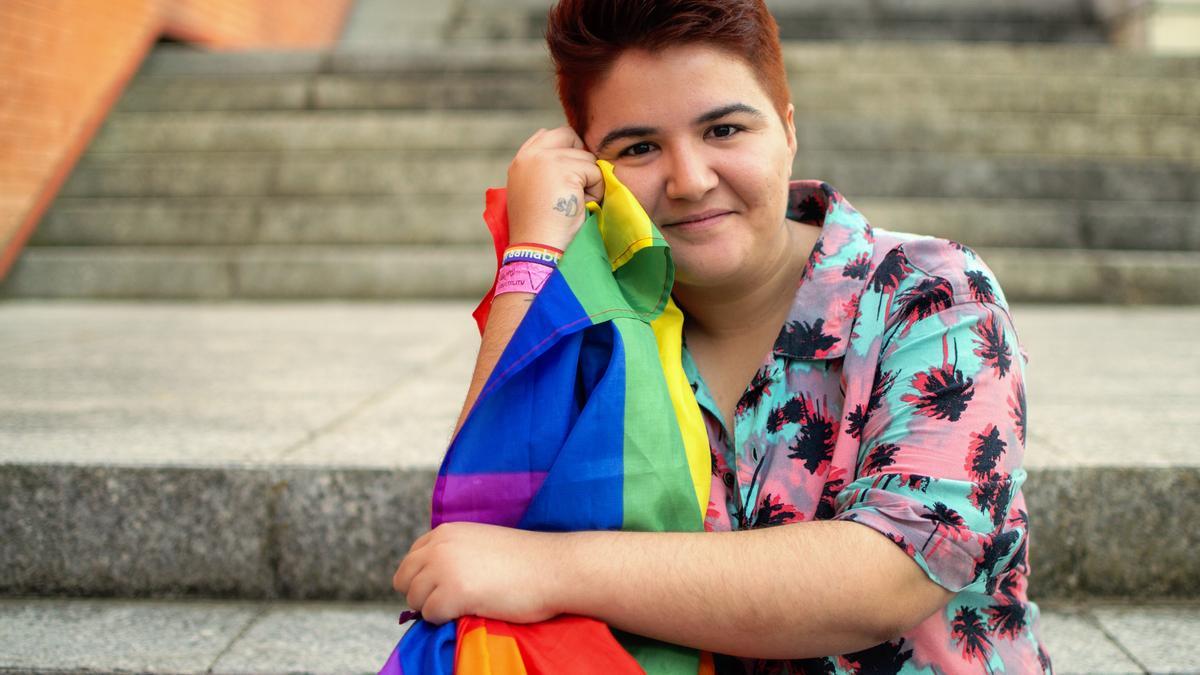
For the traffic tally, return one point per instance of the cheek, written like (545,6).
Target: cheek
(640,181)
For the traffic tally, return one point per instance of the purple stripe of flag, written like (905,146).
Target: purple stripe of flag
(496,498)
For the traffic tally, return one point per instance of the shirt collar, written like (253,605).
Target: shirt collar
(821,320)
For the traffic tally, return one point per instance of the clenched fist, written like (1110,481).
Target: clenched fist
(473,569)
(550,180)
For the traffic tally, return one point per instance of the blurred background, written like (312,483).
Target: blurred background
(240,241)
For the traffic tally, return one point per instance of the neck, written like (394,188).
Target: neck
(747,306)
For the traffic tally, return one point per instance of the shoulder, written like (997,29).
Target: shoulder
(913,277)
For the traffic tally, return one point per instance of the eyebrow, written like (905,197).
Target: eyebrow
(711,115)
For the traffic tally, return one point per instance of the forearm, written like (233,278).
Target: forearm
(506,314)
(796,591)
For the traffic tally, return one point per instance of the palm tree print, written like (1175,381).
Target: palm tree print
(879,458)
(941,515)
(772,511)
(991,346)
(810,210)
(893,269)
(1044,660)
(984,452)
(792,412)
(942,393)
(887,658)
(991,497)
(805,340)
(912,481)
(995,549)
(858,418)
(900,541)
(827,508)
(981,286)
(1018,411)
(1007,587)
(817,435)
(969,632)
(927,298)
(760,385)
(1007,619)
(965,249)
(858,267)
(915,481)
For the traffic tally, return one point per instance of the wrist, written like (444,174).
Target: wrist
(558,238)
(566,580)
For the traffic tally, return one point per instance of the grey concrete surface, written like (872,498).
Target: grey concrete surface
(454,218)
(45,635)
(1077,645)
(160,637)
(881,173)
(1161,638)
(252,272)
(288,450)
(399,271)
(990,133)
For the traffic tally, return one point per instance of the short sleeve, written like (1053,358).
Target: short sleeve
(939,466)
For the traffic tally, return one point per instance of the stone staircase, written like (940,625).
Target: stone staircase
(244,476)
(358,174)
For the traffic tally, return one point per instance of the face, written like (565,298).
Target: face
(696,139)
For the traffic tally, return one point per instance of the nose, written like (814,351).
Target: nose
(690,174)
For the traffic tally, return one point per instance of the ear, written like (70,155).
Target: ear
(789,127)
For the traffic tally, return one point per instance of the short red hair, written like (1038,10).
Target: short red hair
(587,36)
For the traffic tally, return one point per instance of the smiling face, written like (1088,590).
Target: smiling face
(695,138)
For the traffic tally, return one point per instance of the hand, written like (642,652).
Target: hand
(550,180)
(472,569)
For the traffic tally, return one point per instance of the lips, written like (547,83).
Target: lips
(698,217)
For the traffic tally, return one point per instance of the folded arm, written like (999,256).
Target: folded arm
(794,591)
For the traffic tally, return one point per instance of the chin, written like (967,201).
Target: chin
(702,274)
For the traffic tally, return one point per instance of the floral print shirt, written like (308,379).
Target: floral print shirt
(894,397)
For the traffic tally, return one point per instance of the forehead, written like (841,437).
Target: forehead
(670,87)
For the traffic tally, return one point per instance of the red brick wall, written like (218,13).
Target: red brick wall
(63,63)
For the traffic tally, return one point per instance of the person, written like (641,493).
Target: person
(862,389)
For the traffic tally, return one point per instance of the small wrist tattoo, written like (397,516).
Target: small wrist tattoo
(567,207)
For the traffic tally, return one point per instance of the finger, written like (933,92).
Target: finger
(409,568)
(418,593)
(421,541)
(560,137)
(593,181)
(437,609)
(528,141)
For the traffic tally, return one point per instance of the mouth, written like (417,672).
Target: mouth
(697,219)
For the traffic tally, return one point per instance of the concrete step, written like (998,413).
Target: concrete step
(864,78)
(259,450)
(1059,21)
(284,272)
(835,60)
(79,635)
(436,219)
(396,272)
(1175,138)
(857,174)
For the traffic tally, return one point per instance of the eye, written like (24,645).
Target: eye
(637,149)
(726,130)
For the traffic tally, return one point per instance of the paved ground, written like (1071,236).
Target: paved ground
(380,385)
(66,636)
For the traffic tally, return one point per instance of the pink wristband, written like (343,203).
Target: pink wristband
(522,277)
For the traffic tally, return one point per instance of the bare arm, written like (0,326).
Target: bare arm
(550,179)
(795,591)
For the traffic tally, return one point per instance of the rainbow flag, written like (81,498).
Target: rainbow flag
(601,432)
